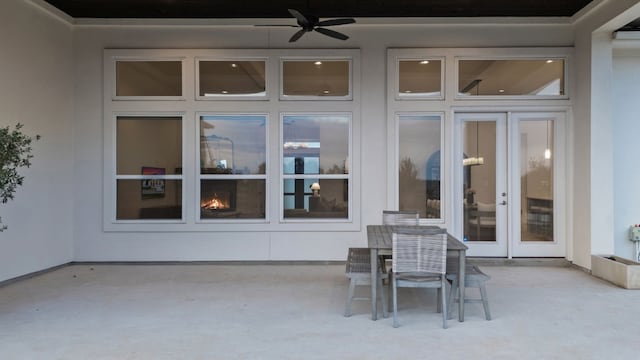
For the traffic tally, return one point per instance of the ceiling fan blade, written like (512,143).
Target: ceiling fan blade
(278,25)
(331,33)
(302,20)
(336,22)
(297,35)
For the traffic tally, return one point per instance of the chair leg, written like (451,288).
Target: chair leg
(452,294)
(383,296)
(443,293)
(352,286)
(439,300)
(485,301)
(395,302)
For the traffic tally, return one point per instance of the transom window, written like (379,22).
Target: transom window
(511,77)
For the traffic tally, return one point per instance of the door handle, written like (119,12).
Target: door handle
(503,203)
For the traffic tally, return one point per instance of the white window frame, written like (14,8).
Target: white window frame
(200,176)
(564,57)
(110,190)
(347,176)
(190,107)
(427,221)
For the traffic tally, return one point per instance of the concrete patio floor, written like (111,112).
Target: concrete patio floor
(201,311)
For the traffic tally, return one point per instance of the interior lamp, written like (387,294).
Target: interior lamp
(315,189)
(547,150)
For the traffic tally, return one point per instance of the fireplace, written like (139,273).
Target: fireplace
(217,198)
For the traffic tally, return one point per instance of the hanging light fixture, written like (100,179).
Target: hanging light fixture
(475,160)
(547,150)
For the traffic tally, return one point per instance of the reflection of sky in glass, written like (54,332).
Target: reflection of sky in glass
(419,137)
(244,138)
(331,132)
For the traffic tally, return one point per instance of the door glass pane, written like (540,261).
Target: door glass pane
(225,78)
(536,179)
(479,171)
(148,78)
(315,78)
(419,159)
(542,77)
(419,78)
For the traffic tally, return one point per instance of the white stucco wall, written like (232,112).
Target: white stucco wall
(593,138)
(53,84)
(626,148)
(36,89)
(372,40)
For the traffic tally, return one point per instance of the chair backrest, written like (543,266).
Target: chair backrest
(420,251)
(390,217)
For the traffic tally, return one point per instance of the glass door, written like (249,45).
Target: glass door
(536,160)
(482,174)
(508,182)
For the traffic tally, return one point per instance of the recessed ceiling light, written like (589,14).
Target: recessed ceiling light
(318,63)
(407,91)
(549,61)
(424,62)
(501,90)
(326,91)
(225,92)
(234,65)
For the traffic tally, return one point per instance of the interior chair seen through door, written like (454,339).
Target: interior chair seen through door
(419,258)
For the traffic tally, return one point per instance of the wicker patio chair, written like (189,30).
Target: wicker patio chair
(419,260)
(358,271)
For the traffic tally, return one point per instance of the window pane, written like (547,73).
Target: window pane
(420,78)
(148,142)
(148,78)
(312,198)
(511,77)
(233,144)
(315,78)
(149,199)
(536,170)
(420,165)
(317,143)
(237,198)
(220,78)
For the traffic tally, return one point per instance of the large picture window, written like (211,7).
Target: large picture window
(190,144)
(315,165)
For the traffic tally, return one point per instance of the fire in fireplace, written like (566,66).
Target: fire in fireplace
(218,201)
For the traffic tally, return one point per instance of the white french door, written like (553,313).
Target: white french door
(507,171)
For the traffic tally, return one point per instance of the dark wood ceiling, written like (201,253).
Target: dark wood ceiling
(227,9)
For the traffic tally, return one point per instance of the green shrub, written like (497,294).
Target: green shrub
(15,152)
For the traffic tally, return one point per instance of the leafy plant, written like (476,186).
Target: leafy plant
(15,153)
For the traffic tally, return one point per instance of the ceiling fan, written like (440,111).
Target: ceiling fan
(309,23)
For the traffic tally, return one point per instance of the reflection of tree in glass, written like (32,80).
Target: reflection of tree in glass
(334,170)
(411,189)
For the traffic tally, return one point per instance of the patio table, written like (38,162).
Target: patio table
(380,242)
